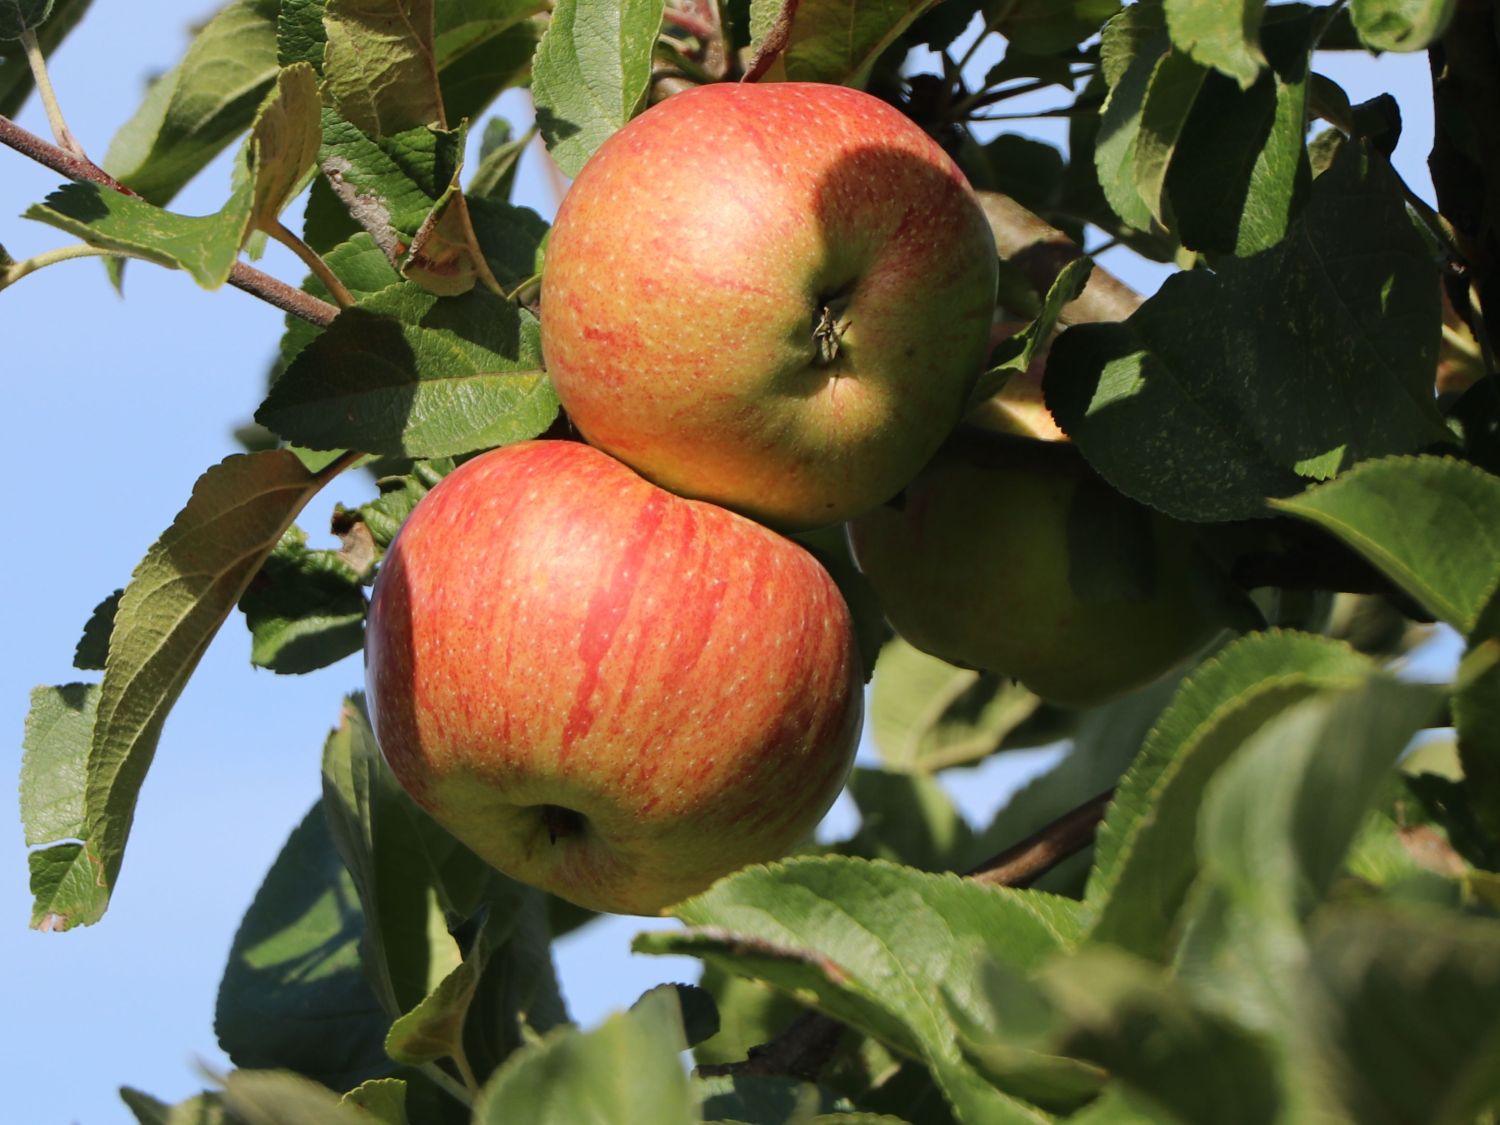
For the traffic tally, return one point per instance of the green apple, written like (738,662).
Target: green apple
(603,689)
(776,297)
(1009,555)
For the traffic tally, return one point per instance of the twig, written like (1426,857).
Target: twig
(247,278)
(810,1040)
(14,272)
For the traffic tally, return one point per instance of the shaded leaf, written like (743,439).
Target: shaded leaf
(1430,524)
(1133,43)
(284,142)
(406,375)
(280,1097)
(93,647)
(380,1099)
(1219,35)
(592,73)
(1400,25)
(20,16)
(834,41)
(1476,715)
(1221,389)
(1044,27)
(293,994)
(16,80)
(305,609)
(378,64)
(626,1071)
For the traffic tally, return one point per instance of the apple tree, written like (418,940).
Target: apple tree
(1193,538)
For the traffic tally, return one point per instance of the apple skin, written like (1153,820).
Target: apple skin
(696,256)
(1009,555)
(603,689)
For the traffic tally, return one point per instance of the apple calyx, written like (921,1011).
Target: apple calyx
(562,823)
(829,326)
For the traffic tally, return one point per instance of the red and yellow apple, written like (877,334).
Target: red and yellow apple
(1009,555)
(775,297)
(603,689)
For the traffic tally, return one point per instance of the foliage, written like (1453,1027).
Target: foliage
(1283,919)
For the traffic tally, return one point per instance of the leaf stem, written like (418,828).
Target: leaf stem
(44,91)
(272,290)
(15,271)
(313,261)
(448,1084)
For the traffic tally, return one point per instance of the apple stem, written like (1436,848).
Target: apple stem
(829,326)
(562,823)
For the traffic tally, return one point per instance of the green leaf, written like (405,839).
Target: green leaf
(204,245)
(16,79)
(510,239)
(434,1029)
(750,1013)
(1171,93)
(293,994)
(20,16)
(280,1097)
(1133,44)
(381,1100)
(1146,853)
(927,714)
(59,727)
(1045,27)
(378,64)
(1190,1062)
(305,609)
(482,48)
(626,1071)
(592,73)
(406,375)
(499,156)
(1430,524)
(194,110)
(1017,351)
(178,597)
(93,647)
(834,41)
(1476,715)
(283,146)
(201,1109)
(756,1099)
(1413,1014)
(1222,36)
(299,33)
(1212,396)
(882,948)
(1400,25)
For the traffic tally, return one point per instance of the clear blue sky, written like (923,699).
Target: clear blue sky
(113,409)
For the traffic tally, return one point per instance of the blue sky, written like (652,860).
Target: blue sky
(114,407)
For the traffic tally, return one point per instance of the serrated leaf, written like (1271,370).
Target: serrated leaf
(624,1072)
(92,649)
(20,16)
(378,64)
(1430,524)
(206,246)
(293,994)
(434,1029)
(281,1097)
(1217,393)
(194,110)
(1146,854)
(1219,35)
(835,41)
(1400,25)
(299,33)
(882,948)
(592,73)
(404,375)
(380,1100)
(16,79)
(1412,1014)
(178,597)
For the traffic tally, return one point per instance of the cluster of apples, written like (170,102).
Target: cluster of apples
(764,307)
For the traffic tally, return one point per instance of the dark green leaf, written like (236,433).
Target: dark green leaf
(305,609)
(194,110)
(93,647)
(1400,25)
(482,48)
(753,1099)
(1133,45)
(1219,35)
(1476,715)
(1044,27)
(1017,351)
(279,1097)
(622,1073)
(510,238)
(20,16)
(178,597)
(1171,94)
(299,33)
(592,73)
(16,80)
(750,1013)
(406,374)
(1431,524)
(1215,394)
(293,994)
(700,1016)
(833,41)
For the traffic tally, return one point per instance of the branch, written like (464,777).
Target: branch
(809,1041)
(269,289)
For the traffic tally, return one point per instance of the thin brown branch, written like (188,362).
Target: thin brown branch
(272,290)
(809,1041)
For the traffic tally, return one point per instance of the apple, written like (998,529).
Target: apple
(603,689)
(1009,555)
(776,297)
